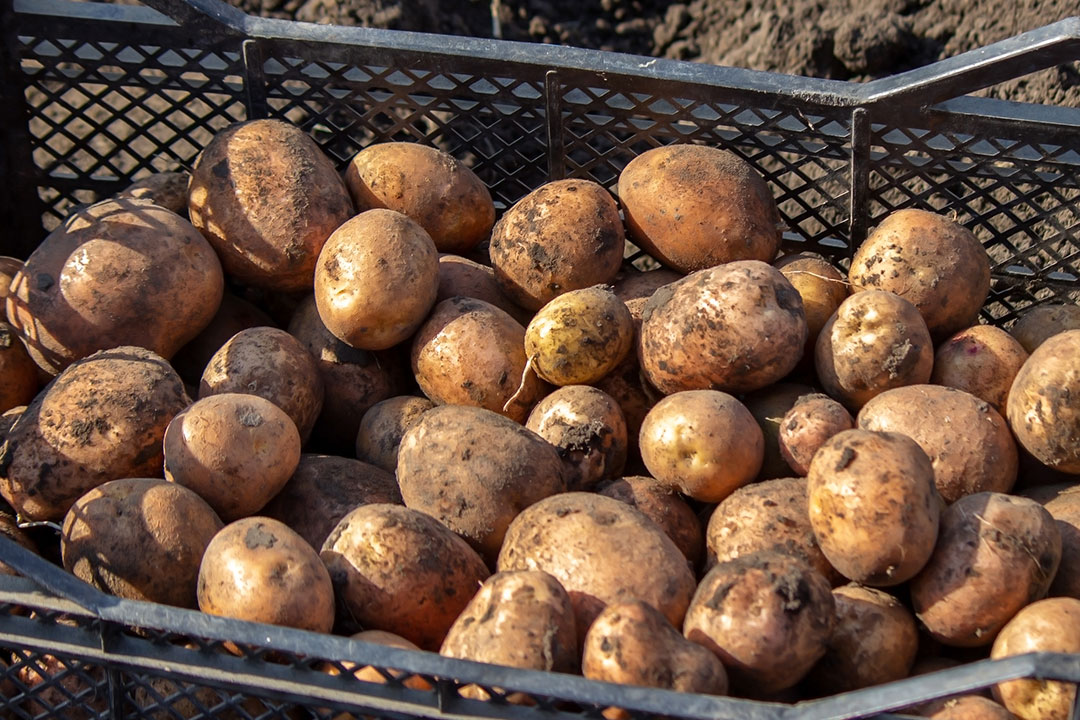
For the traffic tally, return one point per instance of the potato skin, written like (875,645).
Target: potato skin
(468,278)
(692,207)
(665,507)
(1064,506)
(402,571)
(820,285)
(982,360)
(807,425)
(1036,325)
(119,272)
(141,539)
(474,471)
(873,506)
(735,327)
(565,235)
(18,373)
(432,187)
(766,616)
(384,425)
(257,569)
(1044,403)
(996,553)
(101,419)
(932,262)
(267,198)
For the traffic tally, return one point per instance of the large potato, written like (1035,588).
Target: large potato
(267,198)
(692,207)
(432,187)
(563,236)
(1064,506)
(736,327)
(982,360)
(102,419)
(474,471)
(1044,403)
(119,272)
(665,507)
(376,279)
(932,262)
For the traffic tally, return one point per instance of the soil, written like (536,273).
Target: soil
(840,39)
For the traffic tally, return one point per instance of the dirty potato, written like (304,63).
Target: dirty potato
(820,285)
(665,507)
(982,360)
(1035,325)
(1044,403)
(807,425)
(384,425)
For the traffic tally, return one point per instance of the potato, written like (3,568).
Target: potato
(874,642)
(703,443)
(768,406)
(967,442)
(585,540)
(272,364)
(468,278)
(932,262)
(119,272)
(101,419)
(1064,507)
(982,360)
(267,198)
(376,280)
(1051,625)
(68,688)
(1044,403)
(234,314)
(384,425)
(626,386)
(995,554)
(167,189)
(9,528)
(474,471)
(520,619)
(588,428)
(323,489)
(402,571)
(579,336)
(873,506)
(9,268)
(368,673)
(257,569)
(634,287)
(18,373)
(807,425)
(565,235)
(966,707)
(875,341)
(820,285)
(432,187)
(236,451)
(632,643)
(692,207)
(769,515)
(141,539)
(663,506)
(736,327)
(1036,325)
(767,617)
(469,352)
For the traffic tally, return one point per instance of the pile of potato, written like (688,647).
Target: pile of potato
(361,405)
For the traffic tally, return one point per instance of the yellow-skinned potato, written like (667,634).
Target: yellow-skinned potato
(579,337)
(376,279)
(18,373)
(665,507)
(807,425)
(704,443)
(820,285)
(1036,324)
(432,187)
(1044,403)
(982,360)
(384,425)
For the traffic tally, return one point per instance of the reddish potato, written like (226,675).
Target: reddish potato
(663,506)
(982,360)
(807,425)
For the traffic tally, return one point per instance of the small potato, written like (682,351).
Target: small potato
(704,443)
(768,406)
(9,268)
(384,425)
(324,489)
(376,279)
(632,643)
(402,571)
(468,278)
(996,553)
(634,287)
(167,189)
(807,425)
(257,569)
(1044,403)
(966,707)
(873,506)
(233,315)
(588,428)
(139,539)
(432,187)
(272,364)
(236,451)
(767,617)
(874,342)
(663,506)
(982,360)
(18,372)
(579,337)
(932,262)
(1051,625)
(693,207)
(769,515)
(820,285)
(565,235)
(1036,325)
(735,327)
(1064,506)
(967,442)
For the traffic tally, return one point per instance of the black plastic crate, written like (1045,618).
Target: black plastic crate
(96,96)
